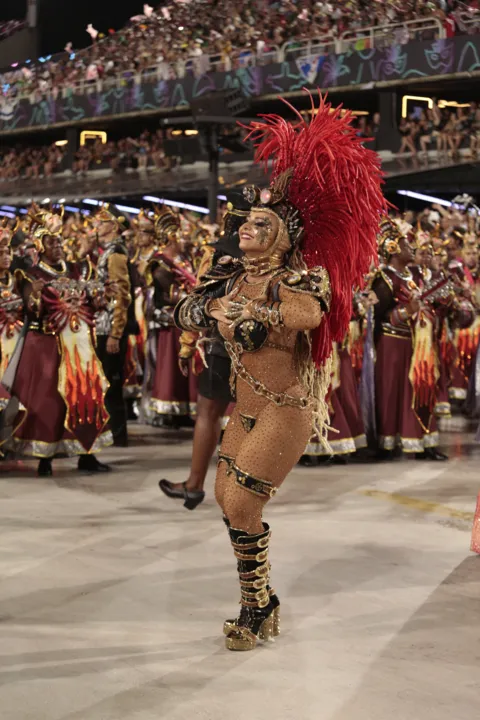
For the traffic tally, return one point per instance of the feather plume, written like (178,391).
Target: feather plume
(336,184)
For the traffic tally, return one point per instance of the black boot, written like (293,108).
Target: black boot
(308,461)
(89,464)
(191,498)
(45,468)
(120,440)
(231,623)
(385,455)
(257,614)
(431,454)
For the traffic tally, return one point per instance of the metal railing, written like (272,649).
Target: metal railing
(468,21)
(323,45)
(380,36)
(366,38)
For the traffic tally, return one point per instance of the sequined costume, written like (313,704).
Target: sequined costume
(137,344)
(168,396)
(279,312)
(465,340)
(401,422)
(11,325)
(407,371)
(59,378)
(117,319)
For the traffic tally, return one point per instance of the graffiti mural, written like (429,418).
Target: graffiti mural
(357,67)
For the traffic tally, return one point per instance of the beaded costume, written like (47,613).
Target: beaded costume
(279,310)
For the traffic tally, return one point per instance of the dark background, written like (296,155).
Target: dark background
(61,21)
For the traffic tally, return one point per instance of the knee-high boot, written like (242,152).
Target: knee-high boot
(231,623)
(257,614)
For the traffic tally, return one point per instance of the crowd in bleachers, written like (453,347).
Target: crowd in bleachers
(192,31)
(447,130)
(141,153)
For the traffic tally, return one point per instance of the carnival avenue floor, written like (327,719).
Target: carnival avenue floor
(112,597)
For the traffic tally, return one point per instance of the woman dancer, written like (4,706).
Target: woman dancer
(307,241)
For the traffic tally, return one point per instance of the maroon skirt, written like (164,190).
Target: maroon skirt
(397,422)
(348,433)
(43,432)
(442,406)
(172,393)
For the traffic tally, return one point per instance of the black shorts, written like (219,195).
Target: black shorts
(214,380)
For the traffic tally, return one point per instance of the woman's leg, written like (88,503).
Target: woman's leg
(245,484)
(234,436)
(266,455)
(205,440)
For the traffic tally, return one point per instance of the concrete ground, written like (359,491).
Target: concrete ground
(112,597)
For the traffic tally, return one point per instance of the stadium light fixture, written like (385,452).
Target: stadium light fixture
(61,143)
(122,208)
(177,204)
(452,104)
(72,208)
(8,207)
(93,135)
(425,198)
(419,98)
(127,209)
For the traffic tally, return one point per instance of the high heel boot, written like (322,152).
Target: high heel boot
(257,613)
(231,623)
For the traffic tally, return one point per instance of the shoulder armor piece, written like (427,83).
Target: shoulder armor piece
(224,268)
(314,281)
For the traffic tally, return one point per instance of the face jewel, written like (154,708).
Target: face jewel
(265,196)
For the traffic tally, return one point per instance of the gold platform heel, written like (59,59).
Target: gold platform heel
(243,639)
(256,619)
(231,624)
(276,621)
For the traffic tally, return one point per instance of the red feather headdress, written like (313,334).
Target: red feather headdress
(336,186)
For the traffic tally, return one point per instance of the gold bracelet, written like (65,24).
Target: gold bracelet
(267,314)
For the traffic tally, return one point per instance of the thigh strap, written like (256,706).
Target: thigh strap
(226,459)
(261,488)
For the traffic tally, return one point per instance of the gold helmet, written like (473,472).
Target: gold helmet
(7,232)
(167,225)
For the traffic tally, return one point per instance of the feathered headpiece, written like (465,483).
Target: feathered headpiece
(326,187)
(392,230)
(167,222)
